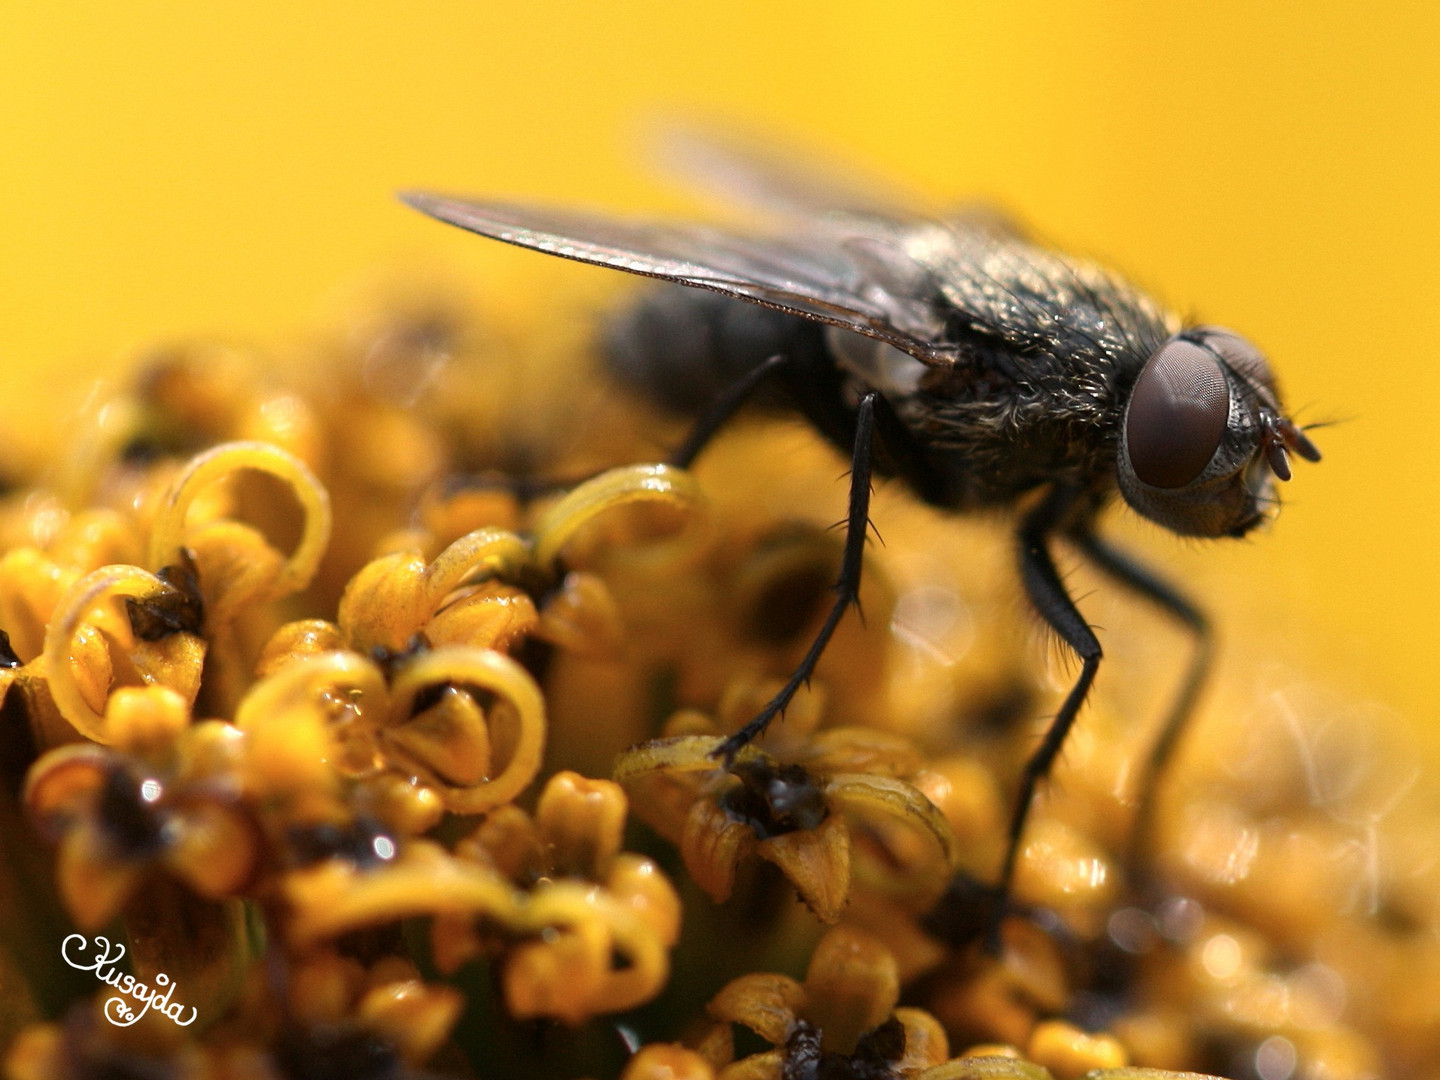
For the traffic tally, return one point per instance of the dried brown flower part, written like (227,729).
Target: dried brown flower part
(841,1020)
(802,812)
(164,799)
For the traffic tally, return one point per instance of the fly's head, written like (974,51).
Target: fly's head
(1205,438)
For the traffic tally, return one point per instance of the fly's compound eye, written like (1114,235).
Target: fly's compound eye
(1177,415)
(1238,354)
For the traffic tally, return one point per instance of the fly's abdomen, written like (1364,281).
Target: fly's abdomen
(683,348)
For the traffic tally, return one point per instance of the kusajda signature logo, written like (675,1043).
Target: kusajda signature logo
(117,1010)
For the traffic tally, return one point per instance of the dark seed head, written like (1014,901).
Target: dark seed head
(774,800)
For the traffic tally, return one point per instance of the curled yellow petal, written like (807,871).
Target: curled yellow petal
(628,485)
(383,604)
(491,616)
(678,753)
(647,963)
(334,898)
(391,599)
(483,553)
(75,654)
(484,669)
(297,640)
(868,795)
(288,720)
(448,742)
(203,470)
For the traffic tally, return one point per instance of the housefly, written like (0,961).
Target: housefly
(957,354)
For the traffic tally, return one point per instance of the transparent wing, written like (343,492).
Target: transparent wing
(765,176)
(862,278)
(772,179)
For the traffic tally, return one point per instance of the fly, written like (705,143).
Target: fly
(962,357)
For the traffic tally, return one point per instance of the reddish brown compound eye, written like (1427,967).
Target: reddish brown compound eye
(1177,415)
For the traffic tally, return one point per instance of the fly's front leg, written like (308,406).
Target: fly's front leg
(847,586)
(1047,592)
(1138,578)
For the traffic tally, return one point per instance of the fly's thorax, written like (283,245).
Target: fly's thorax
(1205,437)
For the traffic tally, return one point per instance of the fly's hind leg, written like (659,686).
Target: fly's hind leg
(723,409)
(1136,577)
(847,585)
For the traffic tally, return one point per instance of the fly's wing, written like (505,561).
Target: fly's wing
(862,278)
(765,177)
(769,178)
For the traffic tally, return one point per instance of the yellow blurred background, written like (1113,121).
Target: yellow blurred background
(170,170)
